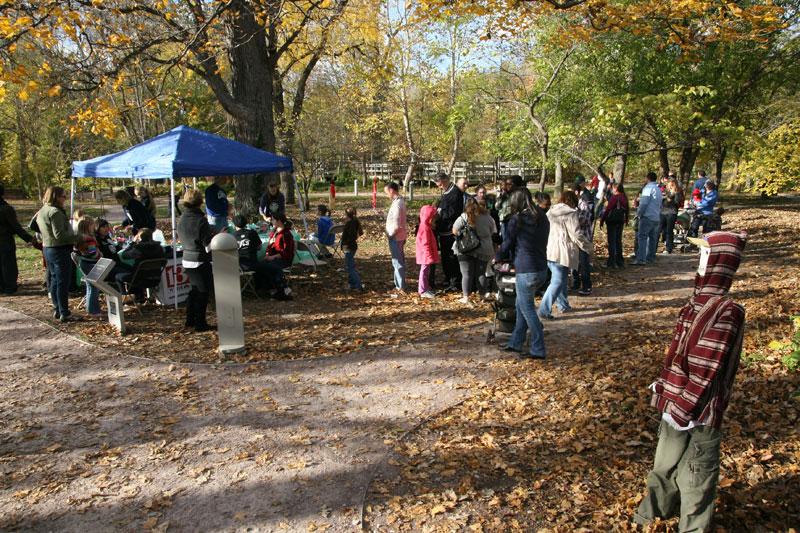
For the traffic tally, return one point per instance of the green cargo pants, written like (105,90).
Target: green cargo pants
(686,468)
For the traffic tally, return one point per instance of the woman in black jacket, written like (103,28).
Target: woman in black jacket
(195,235)
(136,215)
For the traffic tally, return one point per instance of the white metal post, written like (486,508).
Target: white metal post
(300,200)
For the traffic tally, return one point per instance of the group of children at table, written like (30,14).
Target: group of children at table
(98,242)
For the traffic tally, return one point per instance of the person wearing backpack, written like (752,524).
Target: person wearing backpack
(615,217)
(472,263)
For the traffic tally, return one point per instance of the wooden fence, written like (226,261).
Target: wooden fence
(475,172)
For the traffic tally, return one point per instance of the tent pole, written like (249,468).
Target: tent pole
(300,199)
(71,196)
(174,241)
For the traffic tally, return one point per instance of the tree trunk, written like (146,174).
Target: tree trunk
(663,159)
(688,157)
(251,85)
(543,150)
(409,139)
(22,147)
(719,160)
(559,178)
(620,164)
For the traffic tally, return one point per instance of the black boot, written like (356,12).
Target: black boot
(190,312)
(201,305)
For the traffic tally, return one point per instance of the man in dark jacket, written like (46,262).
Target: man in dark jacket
(451,205)
(9,226)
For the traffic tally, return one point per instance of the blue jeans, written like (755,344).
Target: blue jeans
(556,291)
(218,223)
(350,264)
(92,292)
(397,249)
(59,265)
(615,246)
(648,239)
(526,284)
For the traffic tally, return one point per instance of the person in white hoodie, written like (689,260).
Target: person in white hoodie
(563,244)
(396,231)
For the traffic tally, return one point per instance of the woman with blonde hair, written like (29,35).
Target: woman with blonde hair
(146,198)
(195,235)
(672,201)
(58,239)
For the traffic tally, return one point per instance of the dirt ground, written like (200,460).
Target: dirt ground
(96,441)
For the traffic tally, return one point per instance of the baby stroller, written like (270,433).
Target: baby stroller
(682,225)
(712,222)
(504,292)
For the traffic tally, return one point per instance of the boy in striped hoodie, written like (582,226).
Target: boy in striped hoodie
(694,388)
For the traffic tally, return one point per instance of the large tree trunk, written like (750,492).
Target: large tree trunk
(719,160)
(688,157)
(620,164)
(543,150)
(663,159)
(251,85)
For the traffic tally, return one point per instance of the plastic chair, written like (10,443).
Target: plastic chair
(311,260)
(336,231)
(248,281)
(76,259)
(147,276)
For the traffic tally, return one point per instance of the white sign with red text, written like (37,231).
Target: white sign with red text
(173,275)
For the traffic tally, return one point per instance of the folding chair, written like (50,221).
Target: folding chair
(76,259)
(248,281)
(336,231)
(312,261)
(147,276)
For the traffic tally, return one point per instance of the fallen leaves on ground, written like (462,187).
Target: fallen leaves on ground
(565,445)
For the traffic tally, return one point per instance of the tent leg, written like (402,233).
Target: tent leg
(71,196)
(300,201)
(174,239)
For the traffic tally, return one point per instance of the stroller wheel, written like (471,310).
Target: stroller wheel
(489,336)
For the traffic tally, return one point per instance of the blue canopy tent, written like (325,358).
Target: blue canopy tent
(182,152)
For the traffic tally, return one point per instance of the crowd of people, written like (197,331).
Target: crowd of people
(548,243)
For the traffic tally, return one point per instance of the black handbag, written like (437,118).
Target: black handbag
(467,240)
(616,216)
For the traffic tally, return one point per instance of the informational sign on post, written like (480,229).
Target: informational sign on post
(97,278)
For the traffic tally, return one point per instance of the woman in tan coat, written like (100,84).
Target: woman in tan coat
(562,252)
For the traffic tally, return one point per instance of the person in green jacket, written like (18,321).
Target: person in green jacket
(58,239)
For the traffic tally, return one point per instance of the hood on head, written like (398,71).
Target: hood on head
(560,210)
(426,215)
(723,261)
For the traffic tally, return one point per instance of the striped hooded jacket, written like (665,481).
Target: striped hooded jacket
(696,381)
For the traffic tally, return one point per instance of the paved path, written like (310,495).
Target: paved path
(92,440)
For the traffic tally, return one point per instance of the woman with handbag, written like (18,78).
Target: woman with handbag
(615,216)
(473,246)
